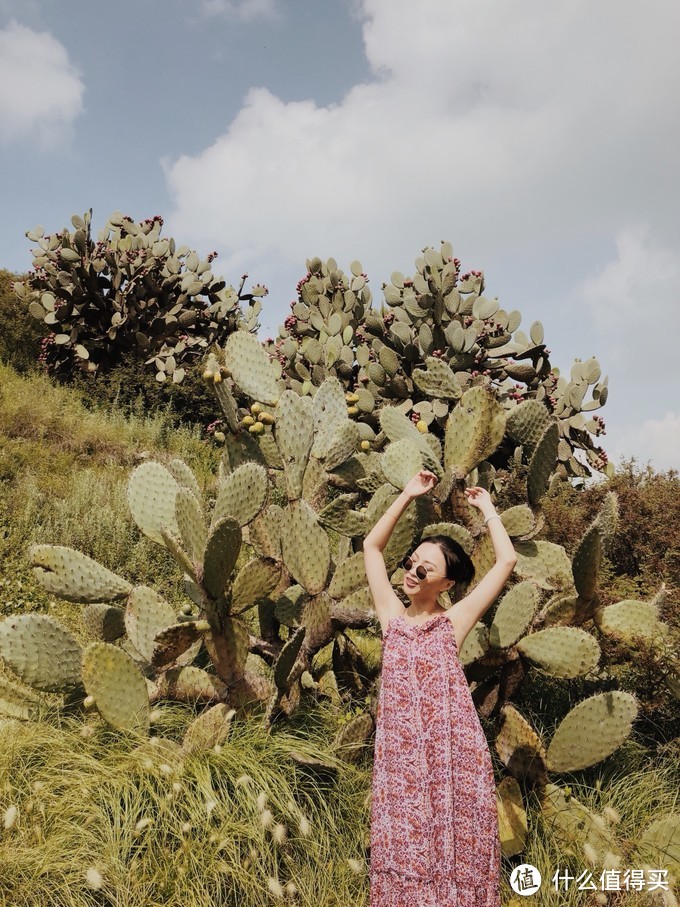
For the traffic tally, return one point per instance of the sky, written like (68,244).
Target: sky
(540,139)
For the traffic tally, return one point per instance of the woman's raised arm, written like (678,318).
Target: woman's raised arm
(385,599)
(471,608)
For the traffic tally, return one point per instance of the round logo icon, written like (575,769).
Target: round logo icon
(525,879)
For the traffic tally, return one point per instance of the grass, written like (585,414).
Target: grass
(88,817)
(63,473)
(98,819)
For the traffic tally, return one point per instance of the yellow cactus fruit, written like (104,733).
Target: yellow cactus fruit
(267,418)
(350,397)
(352,410)
(248,420)
(207,375)
(256,409)
(217,378)
(220,436)
(421,426)
(256,429)
(365,445)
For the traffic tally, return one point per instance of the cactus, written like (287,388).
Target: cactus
(275,583)
(117,687)
(42,653)
(130,294)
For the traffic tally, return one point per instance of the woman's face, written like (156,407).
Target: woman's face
(430,557)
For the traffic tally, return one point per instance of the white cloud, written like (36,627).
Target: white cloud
(632,302)
(655,440)
(41,91)
(510,127)
(527,134)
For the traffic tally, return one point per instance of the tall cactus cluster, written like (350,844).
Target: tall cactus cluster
(435,336)
(273,568)
(132,292)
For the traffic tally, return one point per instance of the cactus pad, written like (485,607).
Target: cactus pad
(542,463)
(210,729)
(518,520)
(519,747)
(344,441)
(145,616)
(401,461)
(306,548)
(438,380)
(287,658)
(586,563)
(630,620)
(454,531)
(264,533)
(294,436)
(349,576)
(175,640)
(339,516)
(74,576)
(242,494)
(475,645)
(221,553)
(565,652)
(527,422)
(41,652)
(16,701)
(592,731)
(184,477)
(512,817)
(513,615)
(545,563)
(474,430)
(351,740)
(191,523)
(329,409)
(251,367)
(151,494)
(255,580)
(659,844)
(104,622)
(190,684)
(118,687)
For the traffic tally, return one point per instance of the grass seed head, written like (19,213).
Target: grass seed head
(275,887)
(94,878)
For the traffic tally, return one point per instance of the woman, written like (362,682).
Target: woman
(434,822)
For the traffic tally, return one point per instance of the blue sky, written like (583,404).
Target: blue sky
(541,140)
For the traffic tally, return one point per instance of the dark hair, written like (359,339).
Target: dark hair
(459,567)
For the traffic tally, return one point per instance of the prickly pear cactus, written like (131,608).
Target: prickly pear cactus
(435,336)
(131,292)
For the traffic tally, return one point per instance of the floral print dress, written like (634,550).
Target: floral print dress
(434,822)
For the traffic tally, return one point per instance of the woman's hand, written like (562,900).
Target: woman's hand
(421,483)
(480,497)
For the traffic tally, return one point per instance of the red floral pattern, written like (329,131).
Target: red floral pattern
(434,822)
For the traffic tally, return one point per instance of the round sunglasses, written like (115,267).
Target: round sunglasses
(421,572)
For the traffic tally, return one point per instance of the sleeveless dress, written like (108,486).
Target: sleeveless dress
(434,823)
